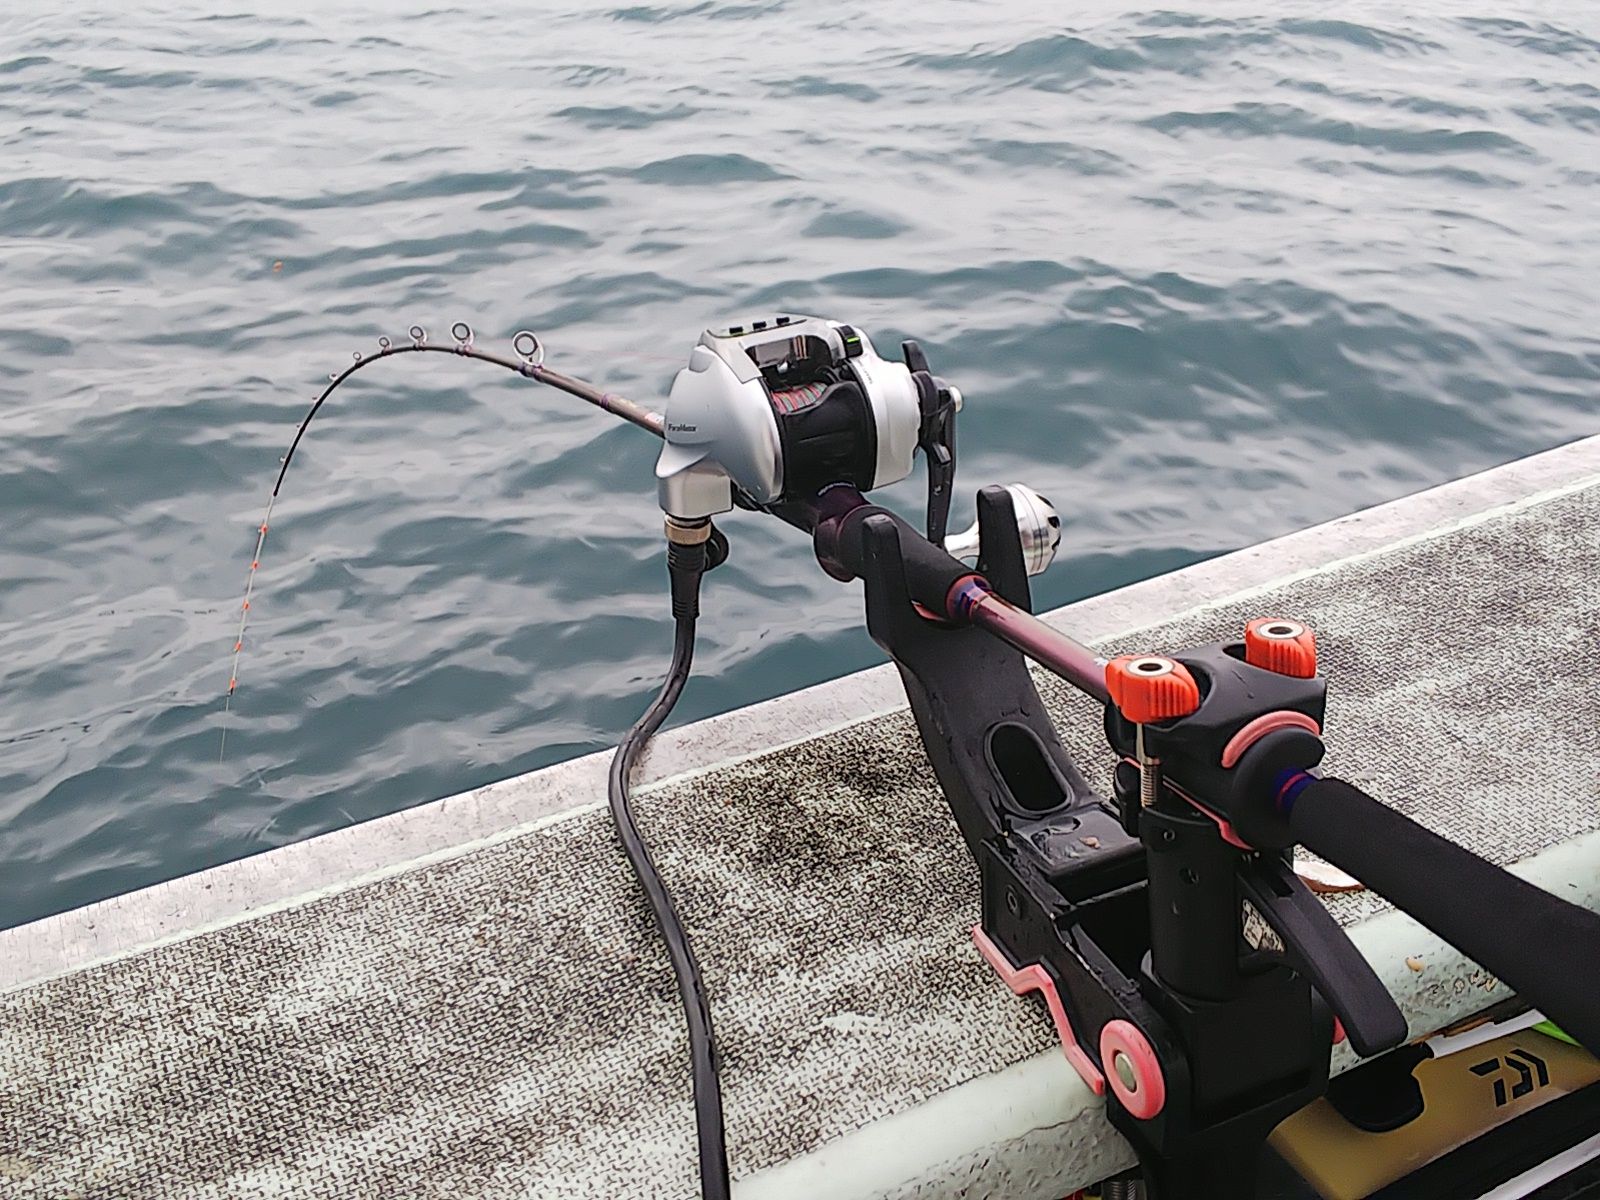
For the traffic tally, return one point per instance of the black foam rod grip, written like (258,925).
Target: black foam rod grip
(1544,948)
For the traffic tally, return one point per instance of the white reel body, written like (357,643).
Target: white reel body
(780,407)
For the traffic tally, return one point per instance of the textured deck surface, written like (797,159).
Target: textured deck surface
(503,1023)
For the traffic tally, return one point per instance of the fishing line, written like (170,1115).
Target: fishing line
(529,363)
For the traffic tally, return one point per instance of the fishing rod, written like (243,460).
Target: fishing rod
(529,363)
(1125,911)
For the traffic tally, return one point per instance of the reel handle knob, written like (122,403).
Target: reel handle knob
(1038,526)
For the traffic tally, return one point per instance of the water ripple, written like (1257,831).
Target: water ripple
(701,170)
(1287,120)
(1539,37)
(624,116)
(1056,61)
(1363,37)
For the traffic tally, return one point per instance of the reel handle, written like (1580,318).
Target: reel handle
(1541,946)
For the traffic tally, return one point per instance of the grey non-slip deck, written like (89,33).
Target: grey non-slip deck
(500,1021)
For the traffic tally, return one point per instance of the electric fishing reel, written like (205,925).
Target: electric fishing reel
(771,413)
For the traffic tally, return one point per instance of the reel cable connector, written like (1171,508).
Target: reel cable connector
(693,548)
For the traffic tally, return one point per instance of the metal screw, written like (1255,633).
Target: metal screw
(1149,770)
(1123,1066)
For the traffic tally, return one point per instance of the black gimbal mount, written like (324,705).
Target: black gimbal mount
(1129,919)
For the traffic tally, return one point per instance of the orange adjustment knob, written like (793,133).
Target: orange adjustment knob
(1147,687)
(1281,645)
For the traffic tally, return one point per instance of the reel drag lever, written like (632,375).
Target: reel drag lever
(937,402)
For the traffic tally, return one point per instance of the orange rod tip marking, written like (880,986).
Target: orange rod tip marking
(238,646)
(232,683)
(247,606)
(255,565)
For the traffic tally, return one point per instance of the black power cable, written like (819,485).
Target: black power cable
(687,564)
